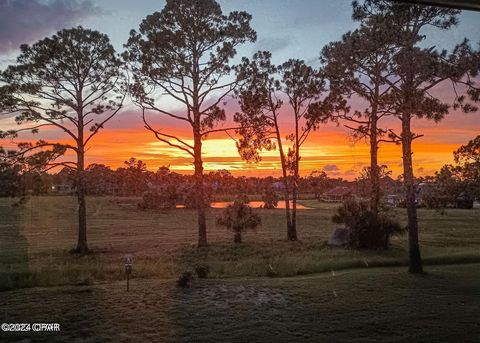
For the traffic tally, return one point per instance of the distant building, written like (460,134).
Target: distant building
(64,188)
(427,190)
(423,191)
(394,199)
(63,182)
(337,194)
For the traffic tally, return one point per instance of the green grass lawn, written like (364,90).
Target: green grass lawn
(361,305)
(352,302)
(35,240)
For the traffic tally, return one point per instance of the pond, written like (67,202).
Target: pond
(253,204)
(257,204)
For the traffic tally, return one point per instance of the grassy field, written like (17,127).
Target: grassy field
(362,305)
(35,240)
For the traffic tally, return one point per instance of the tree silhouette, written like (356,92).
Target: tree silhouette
(357,67)
(134,176)
(100,180)
(184,53)
(69,82)
(416,70)
(10,178)
(239,217)
(317,181)
(261,99)
(467,159)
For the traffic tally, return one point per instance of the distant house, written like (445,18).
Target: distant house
(337,194)
(63,182)
(394,199)
(423,191)
(64,188)
(426,190)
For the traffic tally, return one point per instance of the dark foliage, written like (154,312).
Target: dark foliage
(270,198)
(154,200)
(202,270)
(185,280)
(366,232)
(239,217)
(10,179)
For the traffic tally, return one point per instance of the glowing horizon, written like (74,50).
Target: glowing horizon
(329,149)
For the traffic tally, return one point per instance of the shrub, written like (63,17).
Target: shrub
(202,270)
(165,199)
(185,280)
(270,199)
(366,231)
(239,217)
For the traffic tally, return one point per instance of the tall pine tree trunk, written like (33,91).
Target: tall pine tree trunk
(292,235)
(374,170)
(415,264)
(82,246)
(285,179)
(199,191)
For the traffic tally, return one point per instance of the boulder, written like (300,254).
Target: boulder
(339,238)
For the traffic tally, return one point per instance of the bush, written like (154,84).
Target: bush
(158,200)
(202,270)
(239,217)
(270,199)
(366,231)
(185,280)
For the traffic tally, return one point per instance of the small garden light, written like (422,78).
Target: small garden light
(128,259)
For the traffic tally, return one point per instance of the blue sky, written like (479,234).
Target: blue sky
(287,28)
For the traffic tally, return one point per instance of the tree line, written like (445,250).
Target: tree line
(134,179)
(75,82)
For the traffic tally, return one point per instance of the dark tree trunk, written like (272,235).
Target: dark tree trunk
(288,215)
(199,191)
(292,234)
(285,180)
(374,170)
(415,265)
(82,246)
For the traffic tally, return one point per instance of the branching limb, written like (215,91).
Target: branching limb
(163,137)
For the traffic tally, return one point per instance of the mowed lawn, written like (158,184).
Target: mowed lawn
(35,241)
(361,305)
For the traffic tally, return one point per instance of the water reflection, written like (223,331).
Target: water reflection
(253,204)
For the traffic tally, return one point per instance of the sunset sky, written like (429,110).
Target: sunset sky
(287,28)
